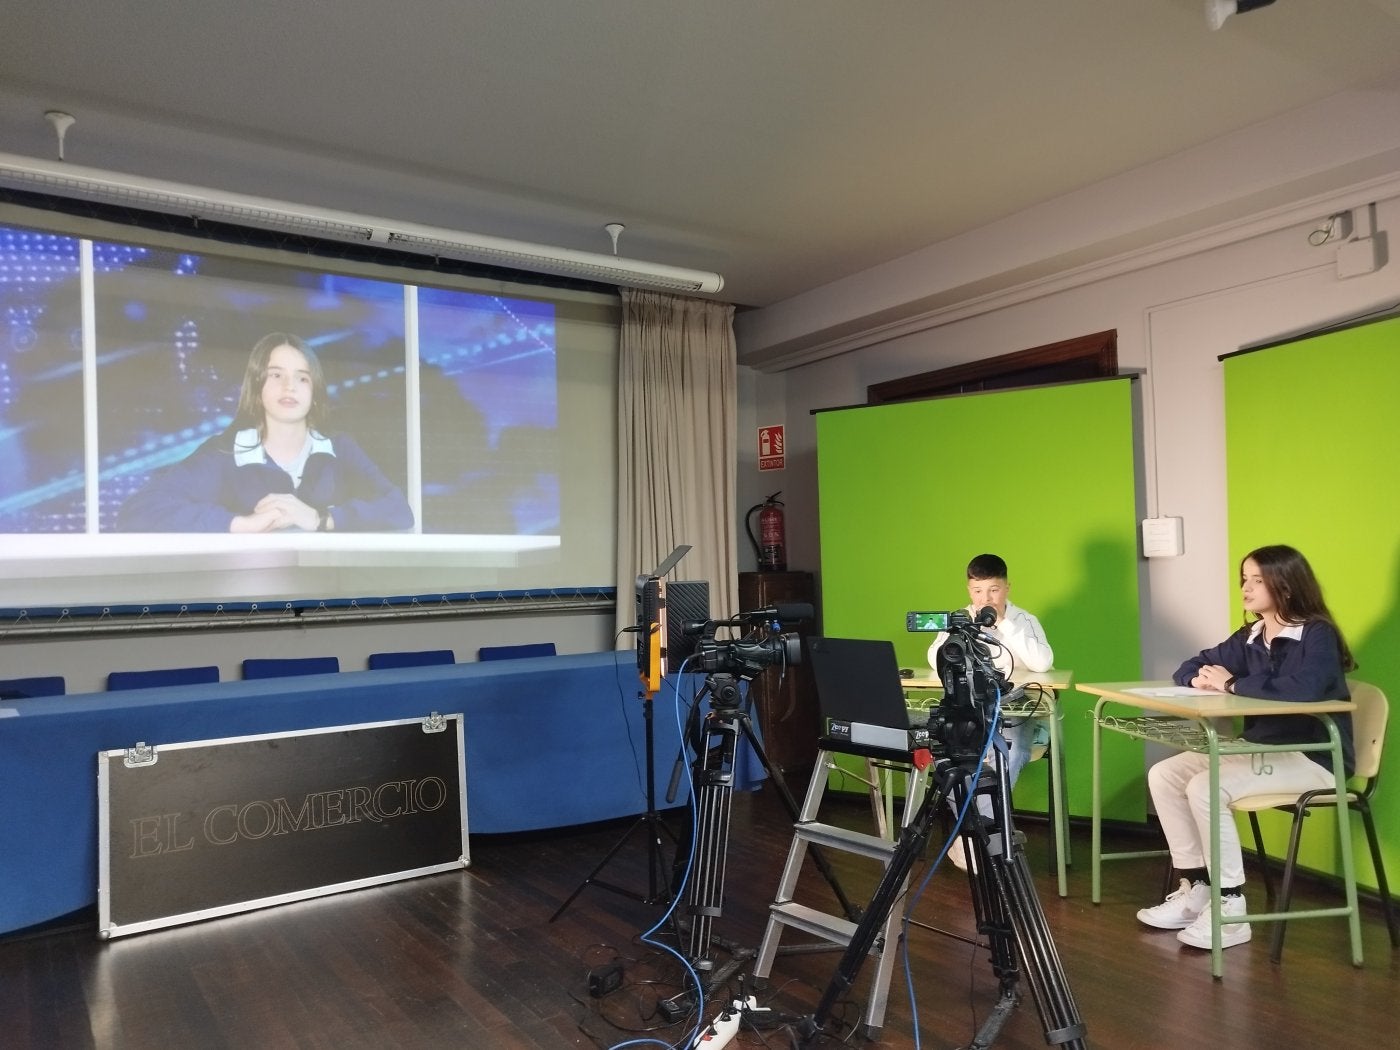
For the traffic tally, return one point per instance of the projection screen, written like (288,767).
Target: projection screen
(481,414)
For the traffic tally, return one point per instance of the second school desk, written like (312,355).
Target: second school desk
(1043,703)
(1184,721)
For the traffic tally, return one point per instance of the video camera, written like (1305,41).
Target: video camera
(762,645)
(972,683)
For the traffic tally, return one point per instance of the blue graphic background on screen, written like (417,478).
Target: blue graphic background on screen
(174,331)
(490,413)
(41,383)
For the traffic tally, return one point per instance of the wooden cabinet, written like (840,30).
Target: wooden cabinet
(785,706)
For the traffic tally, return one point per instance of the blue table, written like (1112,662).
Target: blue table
(550,742)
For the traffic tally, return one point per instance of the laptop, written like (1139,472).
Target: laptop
(861,696)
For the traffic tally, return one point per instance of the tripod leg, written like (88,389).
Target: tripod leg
(986,846)
(705,891)
(1059,1014)
(891,887)
(1016,916)
(715,743)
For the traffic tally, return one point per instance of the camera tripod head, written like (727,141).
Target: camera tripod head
(724,690)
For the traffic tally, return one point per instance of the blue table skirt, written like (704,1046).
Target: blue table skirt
(550,742)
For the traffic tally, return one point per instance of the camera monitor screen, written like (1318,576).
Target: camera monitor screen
(926,621)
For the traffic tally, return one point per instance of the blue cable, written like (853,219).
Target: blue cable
(676,899)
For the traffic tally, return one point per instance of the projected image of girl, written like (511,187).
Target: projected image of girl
(276,467)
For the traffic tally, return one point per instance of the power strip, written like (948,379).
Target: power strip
(725,1027)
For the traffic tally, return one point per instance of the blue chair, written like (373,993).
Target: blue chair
(24,688)
(516,652)
(422,658)
(163,676)
(273,668)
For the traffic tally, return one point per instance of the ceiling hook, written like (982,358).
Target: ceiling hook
(614,231)
(61,122)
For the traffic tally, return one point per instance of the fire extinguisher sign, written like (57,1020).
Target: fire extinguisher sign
(770,448)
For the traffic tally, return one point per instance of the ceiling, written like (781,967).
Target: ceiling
(782,143)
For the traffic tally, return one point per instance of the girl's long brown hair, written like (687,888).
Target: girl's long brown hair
(1294,588)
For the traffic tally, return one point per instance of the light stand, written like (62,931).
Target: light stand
(650,820)
(651,604)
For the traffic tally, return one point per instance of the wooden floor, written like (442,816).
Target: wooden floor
(471,959)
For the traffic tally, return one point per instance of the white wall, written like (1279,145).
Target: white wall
(1173,321)
(1323,156)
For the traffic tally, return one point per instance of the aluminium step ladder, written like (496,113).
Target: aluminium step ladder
(836,930)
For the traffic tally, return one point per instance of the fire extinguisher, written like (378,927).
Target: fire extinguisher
(771,544)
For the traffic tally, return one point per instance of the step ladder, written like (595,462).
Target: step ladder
(836,930)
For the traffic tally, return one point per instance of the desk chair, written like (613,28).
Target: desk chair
(516,652)
(423,658)
(25,688)
(118,680)
(1368,730)
(272,668)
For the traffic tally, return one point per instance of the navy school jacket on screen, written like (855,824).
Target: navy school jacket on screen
(205,491)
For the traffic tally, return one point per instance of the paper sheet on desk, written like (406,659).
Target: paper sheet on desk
(1173,690)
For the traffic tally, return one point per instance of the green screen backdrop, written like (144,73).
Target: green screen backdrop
(1313,453)
(910,492)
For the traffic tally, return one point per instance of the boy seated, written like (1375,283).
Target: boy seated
(1023,649)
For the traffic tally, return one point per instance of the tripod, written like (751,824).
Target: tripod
(1004,902)
(716,745)
(650,820)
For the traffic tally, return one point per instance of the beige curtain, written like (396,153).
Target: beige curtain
(676,462)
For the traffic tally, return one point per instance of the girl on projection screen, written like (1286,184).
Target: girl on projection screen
(275,468)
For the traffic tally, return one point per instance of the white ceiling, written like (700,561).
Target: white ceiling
(783,143)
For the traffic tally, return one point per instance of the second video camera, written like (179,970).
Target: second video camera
(763,644)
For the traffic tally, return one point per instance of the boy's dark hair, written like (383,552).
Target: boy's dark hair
(986,567)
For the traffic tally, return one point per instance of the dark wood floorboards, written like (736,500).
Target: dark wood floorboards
(471,960)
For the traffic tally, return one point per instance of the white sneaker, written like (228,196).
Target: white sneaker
(1197,935)
(1180,909)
